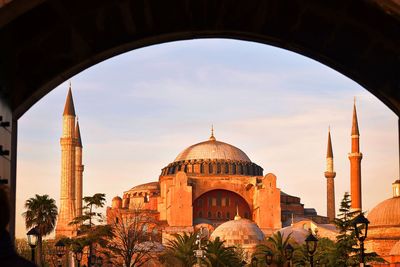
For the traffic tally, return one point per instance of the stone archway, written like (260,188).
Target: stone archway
(218,206)
(45,42)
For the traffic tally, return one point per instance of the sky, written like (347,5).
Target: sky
(139,110)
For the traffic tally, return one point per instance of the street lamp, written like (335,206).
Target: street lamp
(289,253)
(311,243)
(99,261)
(254,262)
(268,257)
(78,256)
(361,223)
(199,253)
(60,251)
(33,235)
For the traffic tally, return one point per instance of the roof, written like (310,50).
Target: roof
(212,149)
(78,135)
(386,213)
(239,232)
(147,186)
(329,152)
(354,128)
(69,104)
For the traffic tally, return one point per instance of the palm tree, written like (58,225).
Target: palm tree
(217,255)
(180,251)
(41,212)
(275,244)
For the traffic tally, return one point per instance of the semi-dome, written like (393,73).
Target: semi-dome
(386,213)
(239,231)
(212,149)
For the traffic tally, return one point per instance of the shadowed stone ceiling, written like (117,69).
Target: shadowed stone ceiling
(44,43)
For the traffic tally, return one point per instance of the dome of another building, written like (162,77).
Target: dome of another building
(147,186)
(116,202)
(386,213)
(212,149)
(239,231)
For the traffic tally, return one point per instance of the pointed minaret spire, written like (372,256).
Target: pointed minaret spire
(330,182)
(78,134)
(329,152)
(355,158)
(354,128)
(212,138)
(69,103)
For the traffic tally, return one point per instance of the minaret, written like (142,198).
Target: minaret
(67,198)
(355,164)
(78,170)
(330,182)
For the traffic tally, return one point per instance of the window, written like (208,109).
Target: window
(116,220)
(234,169)
(209,201)
(200,214)
(219,215)
(210,168)
(223,202)
(209,214)
(246,215)
(226,168)
(202,168)
(219,199)
(218,168)
(228,215)
(200,203)
(227,201)
(214,201)
(185,169)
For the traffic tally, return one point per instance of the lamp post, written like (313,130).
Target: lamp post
(361,223)
(33,239)
(199,253)
(289,253)
(60,251)
(254,262)
(268,257)
(311,243)
(78,256)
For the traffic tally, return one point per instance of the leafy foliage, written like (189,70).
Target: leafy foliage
(41,213)
(218,255)
(179,251)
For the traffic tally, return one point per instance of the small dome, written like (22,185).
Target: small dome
(212,149)
(116,203)
(386,213)
(395,251)
(239,232)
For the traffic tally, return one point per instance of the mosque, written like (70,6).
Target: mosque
(215,186)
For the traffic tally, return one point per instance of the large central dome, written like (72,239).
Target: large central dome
(212,149)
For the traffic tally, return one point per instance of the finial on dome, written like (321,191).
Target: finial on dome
(212,138)
(237,216)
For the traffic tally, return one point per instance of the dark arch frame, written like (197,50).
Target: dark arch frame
(45,42)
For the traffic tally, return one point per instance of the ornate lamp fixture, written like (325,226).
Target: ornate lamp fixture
(311,243)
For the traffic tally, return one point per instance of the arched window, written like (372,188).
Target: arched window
(219,215)
(246,214)
(210,168)
(200,214)
(233,168)
(116,220)
(202,168)
(240,169)
(209,214)
(226,168)
(228,215)
(218,167)
(185,169)
(179,167)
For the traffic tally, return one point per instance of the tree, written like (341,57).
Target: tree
(180,250)
(131,240)
(41,213)
(278,244)
(218,255)
(88,231)
(324,254)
